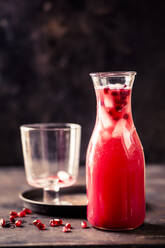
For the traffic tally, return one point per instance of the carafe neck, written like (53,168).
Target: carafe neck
(113,93)
(113,106)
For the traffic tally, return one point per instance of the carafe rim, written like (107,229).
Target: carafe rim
(113,74)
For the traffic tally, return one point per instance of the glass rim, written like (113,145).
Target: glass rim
(50,126)
(113,74)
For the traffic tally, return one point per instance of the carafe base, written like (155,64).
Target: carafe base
(112,229)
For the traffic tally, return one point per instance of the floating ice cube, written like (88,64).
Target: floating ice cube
(118,129)
(106,135)
(126,137)
(105,118)
(108,101)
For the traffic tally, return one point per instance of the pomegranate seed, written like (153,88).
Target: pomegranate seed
(27,211)
(12,219)
(41,226)
(58,222)
(118,108)
(2,222)
(14,213)
(21,214)
(106,90)
(52,223)
(118,101)
(60,181)
(124,94)
(114,93)
(35,222)
(55,222)
(18,223)
(66,229)
(68,225)
(125,116)
(110,112)
(83,224)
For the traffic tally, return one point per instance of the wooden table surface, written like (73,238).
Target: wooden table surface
(150,234)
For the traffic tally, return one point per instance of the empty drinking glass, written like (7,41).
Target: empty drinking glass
(51,156)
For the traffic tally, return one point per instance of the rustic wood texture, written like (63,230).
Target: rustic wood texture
(151,234)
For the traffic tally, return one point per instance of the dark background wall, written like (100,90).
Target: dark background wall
(48,48)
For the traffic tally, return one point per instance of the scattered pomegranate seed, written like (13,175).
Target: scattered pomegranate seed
(14,214)
(66,229)
(12,218)
(52,223)
(35,222)
(68,225)
(18,223)
(27,210)
(41,226)
(55,222)
(83,224)
(21,214)
(58,222)
(2,222)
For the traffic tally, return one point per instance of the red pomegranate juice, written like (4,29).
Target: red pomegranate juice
(115,164)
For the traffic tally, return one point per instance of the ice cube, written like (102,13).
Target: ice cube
(106,118)
(118,129)
(108,101)
(126,138)
(63,175)
(106,135)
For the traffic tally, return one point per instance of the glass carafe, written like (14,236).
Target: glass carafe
(115,165)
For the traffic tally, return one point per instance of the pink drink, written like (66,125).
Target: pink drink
(115,164)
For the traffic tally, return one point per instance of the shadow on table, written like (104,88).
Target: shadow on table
(151,230)
(150,207)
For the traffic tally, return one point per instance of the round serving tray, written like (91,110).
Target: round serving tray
(75,195)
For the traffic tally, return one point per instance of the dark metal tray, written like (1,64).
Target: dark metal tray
(33,199)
